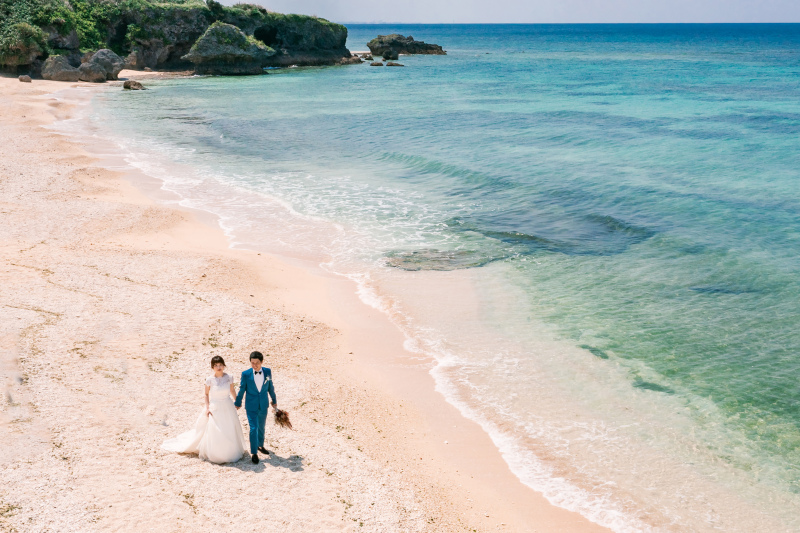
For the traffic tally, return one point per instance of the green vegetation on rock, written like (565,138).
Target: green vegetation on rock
(22,38)
(21,44)
(225,49)
(153,33)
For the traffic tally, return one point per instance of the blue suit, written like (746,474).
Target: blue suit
(256,404)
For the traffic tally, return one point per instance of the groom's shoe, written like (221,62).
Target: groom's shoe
(254,458)
(263,450)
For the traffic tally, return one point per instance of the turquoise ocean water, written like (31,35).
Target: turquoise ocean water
(593,230)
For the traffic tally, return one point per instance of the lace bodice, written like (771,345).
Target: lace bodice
(220,387)
(224,381)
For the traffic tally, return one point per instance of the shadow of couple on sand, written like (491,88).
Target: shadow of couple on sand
(293,463)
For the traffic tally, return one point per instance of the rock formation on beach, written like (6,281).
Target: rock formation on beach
(97,67)
(402,45)
(154,34)
(110,62)
(58,68)
(226,50)
(92,72)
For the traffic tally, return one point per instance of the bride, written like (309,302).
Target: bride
(217,434)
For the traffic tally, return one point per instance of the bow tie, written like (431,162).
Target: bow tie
(257,372)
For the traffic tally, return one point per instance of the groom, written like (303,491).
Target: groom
(257,384)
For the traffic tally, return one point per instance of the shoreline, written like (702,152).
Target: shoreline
(463,480)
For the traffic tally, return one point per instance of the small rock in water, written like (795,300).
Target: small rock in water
(352,60)
(393,64)
(391,54)
(25,78)
(133,85)
(376,64)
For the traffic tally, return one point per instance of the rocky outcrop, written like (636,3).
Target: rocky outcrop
(154,34)
(160,35)
(388,55)
(224,49)
(58,68)
(25,78)
(108,61)
(393,64)
(297,39)
(133,85)
(402,45)
(376,64)
(91,72)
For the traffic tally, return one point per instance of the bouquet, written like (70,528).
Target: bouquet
(282,419)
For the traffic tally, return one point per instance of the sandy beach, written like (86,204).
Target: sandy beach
(112,306)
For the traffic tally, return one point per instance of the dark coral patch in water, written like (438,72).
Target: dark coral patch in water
(597,352)
(437,259)
(639,383)
(591,235)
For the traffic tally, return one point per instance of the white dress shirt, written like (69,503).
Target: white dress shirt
(259,378)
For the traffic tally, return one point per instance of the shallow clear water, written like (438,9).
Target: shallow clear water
(594,229)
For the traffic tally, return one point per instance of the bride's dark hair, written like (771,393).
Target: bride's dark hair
(217,359)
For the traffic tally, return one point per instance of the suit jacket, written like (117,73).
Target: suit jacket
(256,401)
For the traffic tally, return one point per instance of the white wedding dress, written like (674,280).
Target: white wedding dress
(217,438)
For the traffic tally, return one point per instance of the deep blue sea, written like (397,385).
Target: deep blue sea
(593,230)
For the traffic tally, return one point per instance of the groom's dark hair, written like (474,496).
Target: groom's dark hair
(257,355)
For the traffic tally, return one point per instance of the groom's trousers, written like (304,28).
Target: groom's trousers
(257,420)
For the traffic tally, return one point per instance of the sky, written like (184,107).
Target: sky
(541,11)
